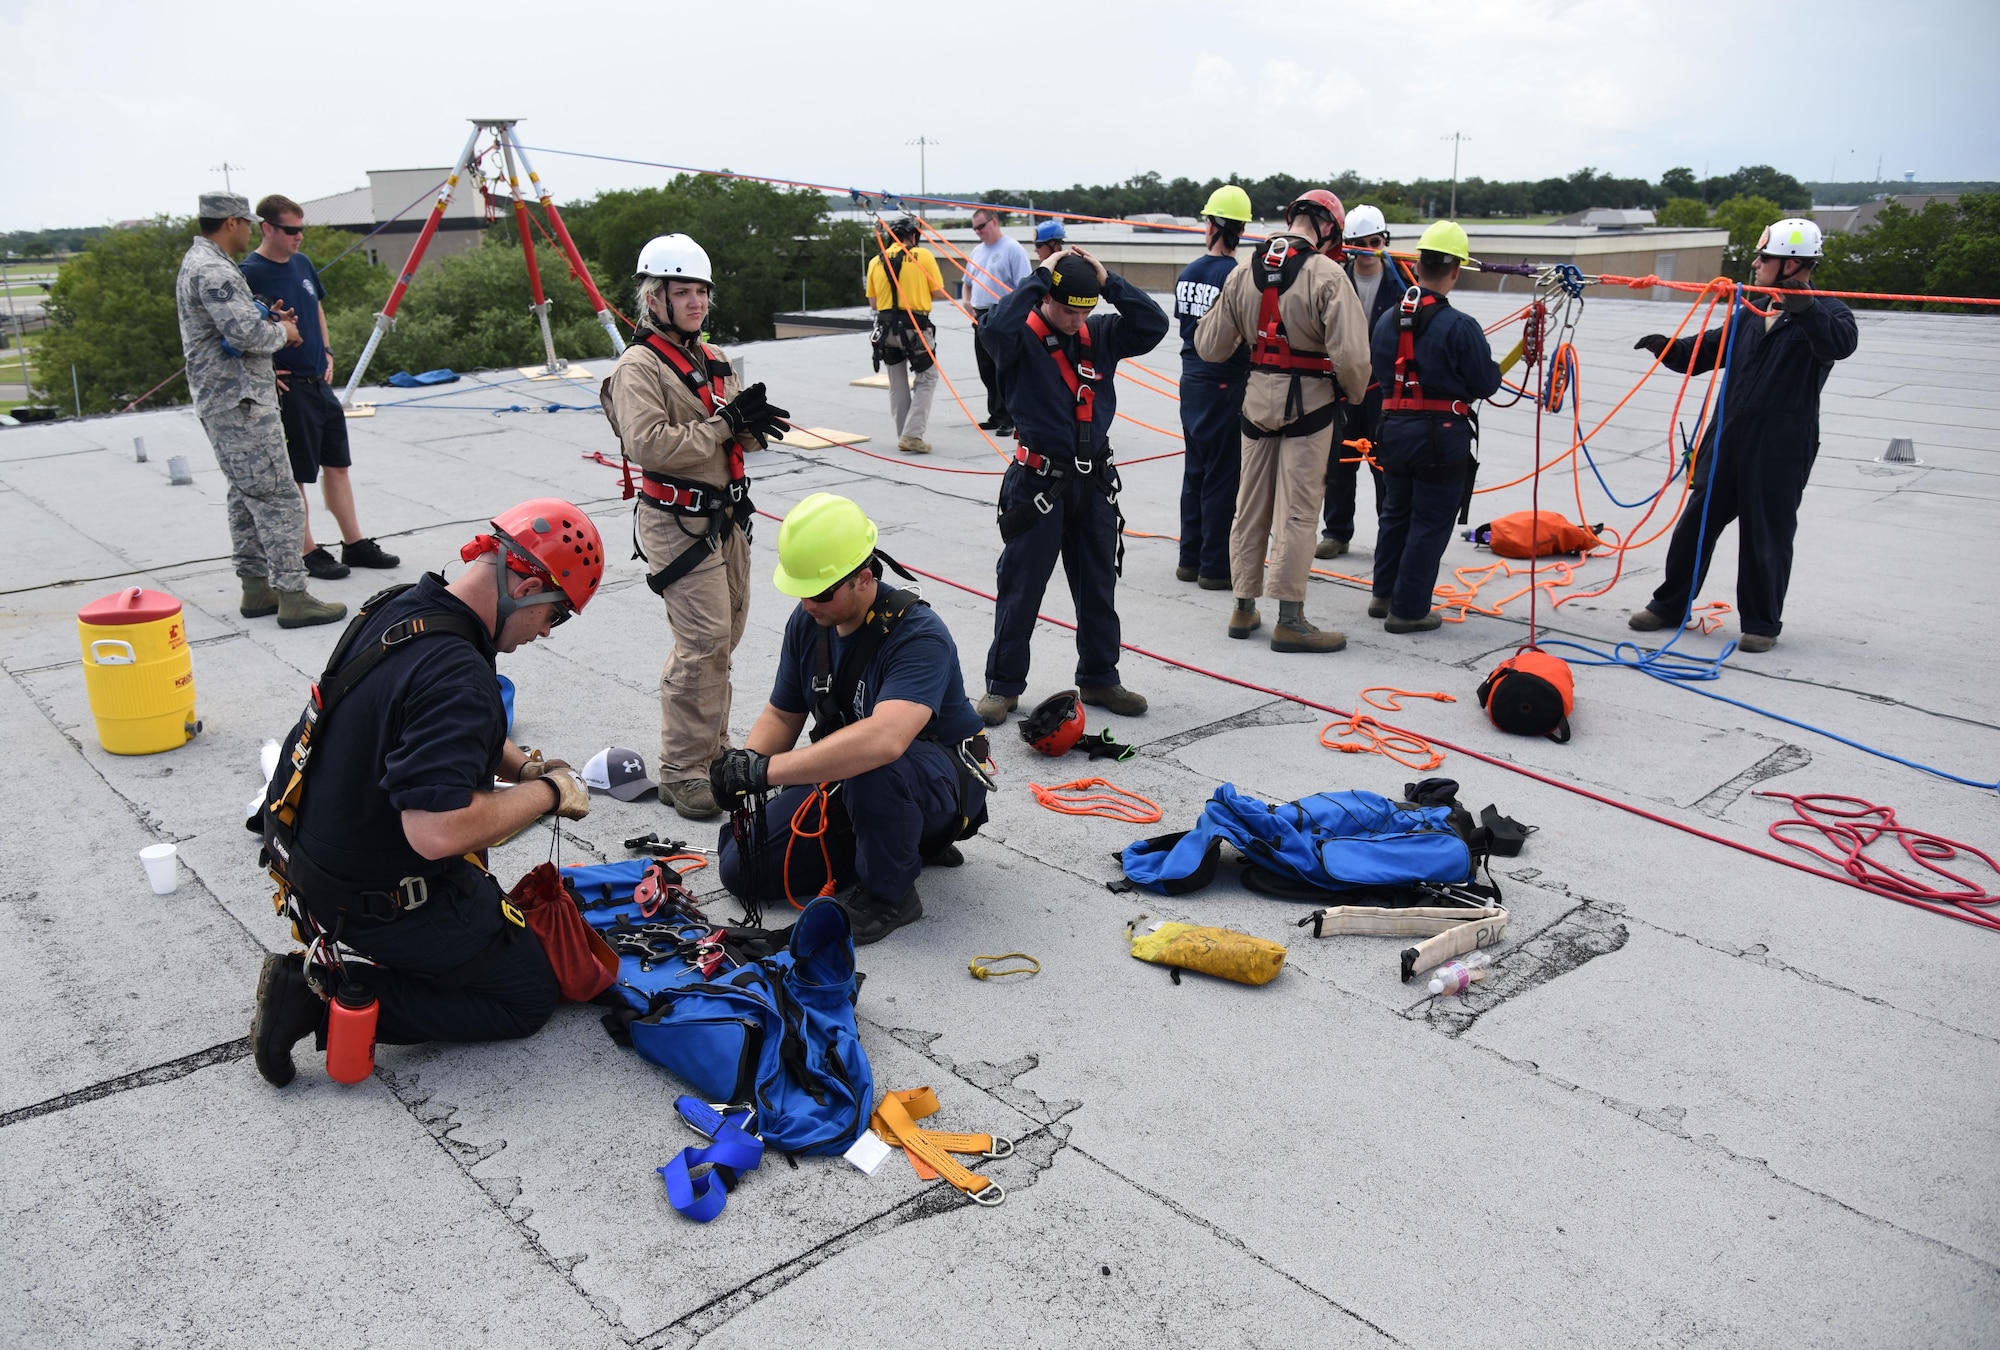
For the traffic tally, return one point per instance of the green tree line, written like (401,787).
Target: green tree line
(1403,202)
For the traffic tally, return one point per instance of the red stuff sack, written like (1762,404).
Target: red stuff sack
(1530,694)
(1516,536)
(584,963)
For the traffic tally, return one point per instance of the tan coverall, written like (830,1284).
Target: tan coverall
(1285,476)
(661,425)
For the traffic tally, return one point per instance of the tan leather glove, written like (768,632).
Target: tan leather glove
(535,766)
(572,797)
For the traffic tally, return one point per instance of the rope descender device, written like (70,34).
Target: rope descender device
(983,972)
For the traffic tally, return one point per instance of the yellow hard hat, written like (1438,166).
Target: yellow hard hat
(1445,236)
(821,541)
(1228,202)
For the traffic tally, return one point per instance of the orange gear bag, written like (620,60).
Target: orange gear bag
(1531,694)
(1516,536)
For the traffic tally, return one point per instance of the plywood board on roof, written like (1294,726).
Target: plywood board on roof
(819,438)
(876,381)
(545,373)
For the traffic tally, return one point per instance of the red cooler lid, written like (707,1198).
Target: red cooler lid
(134,604)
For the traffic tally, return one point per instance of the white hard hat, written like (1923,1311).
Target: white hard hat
(1790,238)
(1364,221)
(675,255)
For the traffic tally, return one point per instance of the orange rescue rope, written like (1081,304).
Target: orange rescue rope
(1112,803)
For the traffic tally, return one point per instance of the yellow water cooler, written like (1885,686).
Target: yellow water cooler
(139,671)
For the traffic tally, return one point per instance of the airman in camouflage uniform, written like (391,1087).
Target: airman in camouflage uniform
(228,340)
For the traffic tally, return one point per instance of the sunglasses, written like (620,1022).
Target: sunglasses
(293,230)
(826,595)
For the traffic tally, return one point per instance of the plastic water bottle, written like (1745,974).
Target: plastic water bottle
(1455,977)
(350,1031)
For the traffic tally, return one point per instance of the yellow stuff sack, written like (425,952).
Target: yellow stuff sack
(1222,952)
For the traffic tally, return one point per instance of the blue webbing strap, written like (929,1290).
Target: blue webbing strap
(733,1149)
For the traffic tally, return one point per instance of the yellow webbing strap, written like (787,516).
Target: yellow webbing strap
(929,1151)
(986,972)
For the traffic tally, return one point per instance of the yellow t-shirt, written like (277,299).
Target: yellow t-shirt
(916,269)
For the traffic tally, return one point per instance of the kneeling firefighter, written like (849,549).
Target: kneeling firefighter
(1433,364)
(679,413)
(376,822)
(895,771)
(1308,340)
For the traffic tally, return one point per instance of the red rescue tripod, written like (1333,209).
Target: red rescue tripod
(509,146)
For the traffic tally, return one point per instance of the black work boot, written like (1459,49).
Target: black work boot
(367,553)
(874,918)
(288,1011)
(324,565)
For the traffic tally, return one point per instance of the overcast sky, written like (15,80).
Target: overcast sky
(117,110)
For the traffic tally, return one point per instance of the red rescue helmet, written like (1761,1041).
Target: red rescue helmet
(1056,724)
(547,538)
(1324,205)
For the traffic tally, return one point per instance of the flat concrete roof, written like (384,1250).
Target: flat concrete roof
(1707,1100)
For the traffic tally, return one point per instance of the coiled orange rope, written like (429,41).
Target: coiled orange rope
(1112,802)
(1389,742)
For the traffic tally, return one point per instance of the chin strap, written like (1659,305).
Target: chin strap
(504,603)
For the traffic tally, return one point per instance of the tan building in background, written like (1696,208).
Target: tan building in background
(412,193)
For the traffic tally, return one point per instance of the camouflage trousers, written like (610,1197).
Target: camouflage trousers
(267,518)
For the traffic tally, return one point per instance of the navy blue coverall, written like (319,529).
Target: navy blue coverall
(1770,437)
(1343,467)
(881,824)
(424,731)
(1081,525)
(1425,457)
(1211,425)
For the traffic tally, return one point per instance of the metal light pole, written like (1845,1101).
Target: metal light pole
(1456,138)
(923,144)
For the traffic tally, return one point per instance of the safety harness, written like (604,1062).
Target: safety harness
(1082,378)
(834,692)
(724,509)
(887,341)
(1405,394)
(1274,270)
(303,883)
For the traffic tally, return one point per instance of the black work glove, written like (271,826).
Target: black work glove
(1652,342)
(1796,302)
(742,411)
(751,413)
(738,774)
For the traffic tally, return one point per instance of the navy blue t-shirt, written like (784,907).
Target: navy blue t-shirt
(296,284)
(917,663)
(422,732)
(1199,285)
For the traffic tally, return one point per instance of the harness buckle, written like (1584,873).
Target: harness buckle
(690,498)
(1043,504)
(1083,467)
(415,893)
(822,684)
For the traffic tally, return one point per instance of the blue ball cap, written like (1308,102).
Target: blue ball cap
(1049,231)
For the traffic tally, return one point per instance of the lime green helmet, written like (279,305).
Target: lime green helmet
(822,540)
(1228,202)
(1445,236)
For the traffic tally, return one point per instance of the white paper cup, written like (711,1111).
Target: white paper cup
(162,868)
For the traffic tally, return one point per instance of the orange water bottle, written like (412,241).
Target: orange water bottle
(350,1030)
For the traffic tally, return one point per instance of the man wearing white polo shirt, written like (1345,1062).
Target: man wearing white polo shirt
(997,266)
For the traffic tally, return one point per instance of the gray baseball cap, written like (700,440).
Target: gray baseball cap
(224,205)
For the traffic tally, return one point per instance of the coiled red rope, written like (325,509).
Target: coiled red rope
(1850,825)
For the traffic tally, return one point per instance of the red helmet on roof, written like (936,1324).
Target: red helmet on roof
(1056,724)
(551,539)
(1320,202)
